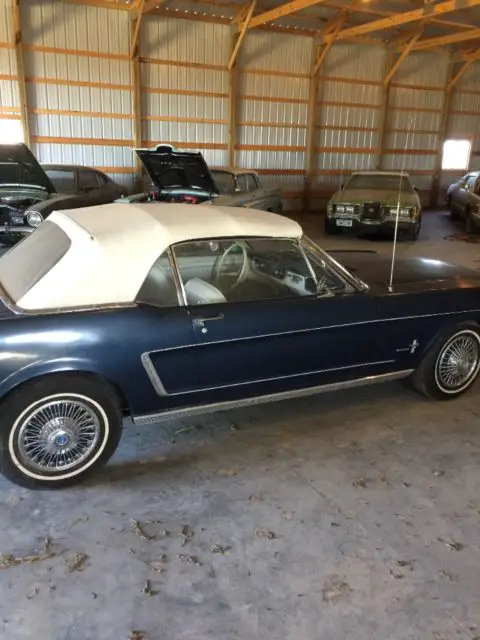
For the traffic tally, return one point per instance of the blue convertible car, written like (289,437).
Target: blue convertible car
(152,311)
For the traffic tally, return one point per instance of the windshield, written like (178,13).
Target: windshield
(317,255)
(15,173)
(376,181)
(63,180)
(225,182)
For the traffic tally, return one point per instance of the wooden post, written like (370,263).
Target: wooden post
(383,122)
(135,66)
(444,122)
(22,90)
(232,104)
(311,130)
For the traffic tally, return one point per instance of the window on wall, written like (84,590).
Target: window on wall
(456,154)
(11,131)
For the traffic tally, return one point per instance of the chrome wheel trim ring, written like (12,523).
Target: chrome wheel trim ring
(458,362)
(59,434)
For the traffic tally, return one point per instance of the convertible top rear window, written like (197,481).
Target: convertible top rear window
(26,264)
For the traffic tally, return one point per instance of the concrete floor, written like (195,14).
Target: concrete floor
(351,515)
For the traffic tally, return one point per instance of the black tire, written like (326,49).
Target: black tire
(95,405)
(428,378)
(414,232)
(331,229)
(469,226)
(453,213)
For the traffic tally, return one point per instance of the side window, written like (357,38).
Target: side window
(234,270)
(471,180)
(251,183)
(242,183)
(87,181)
(159,288)
(63,181)
(101,179)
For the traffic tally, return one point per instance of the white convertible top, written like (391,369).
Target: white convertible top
(113,247)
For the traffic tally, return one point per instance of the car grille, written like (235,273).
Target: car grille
(372,210)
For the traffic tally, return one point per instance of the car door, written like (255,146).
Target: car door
(87,188)
(273,331)
(241,196)
(108,190)
(262,198)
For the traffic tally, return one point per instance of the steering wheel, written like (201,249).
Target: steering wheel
(239,275)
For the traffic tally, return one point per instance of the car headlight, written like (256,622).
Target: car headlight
(34,218)
(344,208)
(403,211)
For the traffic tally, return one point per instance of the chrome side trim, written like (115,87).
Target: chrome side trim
(161,391)
(172,414)
(330,326)
(153,375)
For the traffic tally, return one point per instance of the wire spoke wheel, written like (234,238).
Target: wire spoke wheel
(458,362)
(58,435)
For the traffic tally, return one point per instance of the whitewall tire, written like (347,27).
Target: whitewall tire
(57,429)
(452,364)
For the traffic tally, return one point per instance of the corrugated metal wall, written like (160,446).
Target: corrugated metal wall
(80,98)
(348,115)
(185,105)
(9,95)
(273,109)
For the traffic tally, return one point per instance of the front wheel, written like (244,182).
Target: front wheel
(414,231)
(451,365)
(55,430)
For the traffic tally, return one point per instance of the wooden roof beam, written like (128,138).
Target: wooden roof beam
(242,34)
(136,29)
(402,57)
(461,72)
(451,39)
(426,12)
(282,11)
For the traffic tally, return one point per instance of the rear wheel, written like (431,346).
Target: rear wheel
(451,365)
(55,430)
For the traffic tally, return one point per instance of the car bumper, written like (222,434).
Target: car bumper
(382,224)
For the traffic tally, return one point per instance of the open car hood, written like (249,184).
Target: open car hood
(19,167)
(175,171)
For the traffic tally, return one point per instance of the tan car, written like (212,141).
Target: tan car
(369,201)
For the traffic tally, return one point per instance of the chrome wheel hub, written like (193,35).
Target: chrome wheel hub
(458,362)
(58,435)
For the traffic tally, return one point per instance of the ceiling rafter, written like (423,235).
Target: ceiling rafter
(242,34)
(424,13)
(461,72)
(441,41)
(279,12)
(402,57)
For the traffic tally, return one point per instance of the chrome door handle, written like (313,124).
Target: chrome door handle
(199,322)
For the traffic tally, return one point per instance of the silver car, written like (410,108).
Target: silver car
(463,200)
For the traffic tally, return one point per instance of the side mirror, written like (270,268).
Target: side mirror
(342,185)
(415,188)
